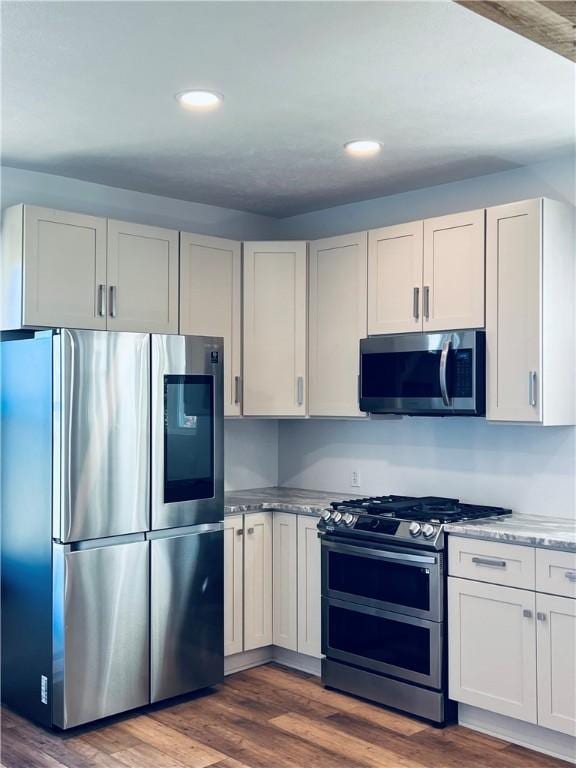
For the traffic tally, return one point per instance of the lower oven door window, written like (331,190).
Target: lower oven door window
(400,646)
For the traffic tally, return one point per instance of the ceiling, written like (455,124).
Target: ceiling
(88,93)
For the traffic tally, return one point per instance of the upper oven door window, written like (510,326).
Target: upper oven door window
(188,438)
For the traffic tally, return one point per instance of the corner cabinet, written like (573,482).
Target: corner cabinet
(427,275)
(338,272)
(530,335)
(274,329)
(210,302)
(62,269)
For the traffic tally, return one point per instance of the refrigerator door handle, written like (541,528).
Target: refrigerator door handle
(170,533)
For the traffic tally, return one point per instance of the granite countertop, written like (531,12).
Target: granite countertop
(296,500)
(533,530)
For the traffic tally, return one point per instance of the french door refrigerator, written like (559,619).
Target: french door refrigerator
(112,521)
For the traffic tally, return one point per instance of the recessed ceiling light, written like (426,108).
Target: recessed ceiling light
(199,99)
(363,147)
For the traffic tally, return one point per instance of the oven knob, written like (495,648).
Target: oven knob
(348,518)
(415,528)
(336,517)
(428,531)
(326,514)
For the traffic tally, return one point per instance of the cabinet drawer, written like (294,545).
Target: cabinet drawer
(556,572)
(491,561)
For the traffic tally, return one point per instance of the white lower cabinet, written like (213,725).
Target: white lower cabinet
(271,583)
(513,650)
(492,654)
(556,644)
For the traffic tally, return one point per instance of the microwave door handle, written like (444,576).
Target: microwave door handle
(443,364)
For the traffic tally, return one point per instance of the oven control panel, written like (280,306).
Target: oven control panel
(352,522)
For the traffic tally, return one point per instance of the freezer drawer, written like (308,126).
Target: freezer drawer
(101,434)
(100,631)
(187,610)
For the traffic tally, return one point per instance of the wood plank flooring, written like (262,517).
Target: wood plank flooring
(268,717)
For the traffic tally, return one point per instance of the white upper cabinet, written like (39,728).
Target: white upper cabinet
(530,337)
(274,329)
(142,278)
(395,278)
(337,322)
(53,269)
(453,278)
(210,302)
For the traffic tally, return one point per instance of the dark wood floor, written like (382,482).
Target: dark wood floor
(268,717)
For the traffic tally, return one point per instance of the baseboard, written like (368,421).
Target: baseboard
(255,658)
(527,735)
(299,661)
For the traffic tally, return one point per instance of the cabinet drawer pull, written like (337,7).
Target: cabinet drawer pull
(236,389)
(527,613)
(532,388)
(112,301)
(427,302)
(416,303)
(300,390)
(541,616)
(101,300)
(487,561)
(571,576)
(240,532)
(250,530)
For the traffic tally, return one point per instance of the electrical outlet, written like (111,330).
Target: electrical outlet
(355,479)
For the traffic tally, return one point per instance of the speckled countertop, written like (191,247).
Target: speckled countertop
(532,530)
(296,500)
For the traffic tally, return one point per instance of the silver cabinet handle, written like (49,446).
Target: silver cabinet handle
(300,390)
(571,575)
(527,613)
(427,302)
(250,530)
(541,616)
(101,300)
(236,389)
(443,364)
(416,303)
(112,301)
(489,561)
(532,390)
(240,531)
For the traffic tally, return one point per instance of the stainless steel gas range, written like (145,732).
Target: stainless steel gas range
(384,628)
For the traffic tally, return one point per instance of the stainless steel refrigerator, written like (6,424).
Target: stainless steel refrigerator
(112,521)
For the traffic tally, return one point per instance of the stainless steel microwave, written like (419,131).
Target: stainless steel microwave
(424,374)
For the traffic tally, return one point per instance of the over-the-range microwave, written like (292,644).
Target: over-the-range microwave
(424,374)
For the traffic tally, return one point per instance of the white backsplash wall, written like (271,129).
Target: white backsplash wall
(529,469)
(250,453)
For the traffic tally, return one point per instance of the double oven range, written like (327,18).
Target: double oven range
(384,622)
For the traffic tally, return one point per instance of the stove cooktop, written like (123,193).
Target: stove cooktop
(436,509)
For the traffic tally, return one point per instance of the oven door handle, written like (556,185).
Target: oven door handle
(379,553)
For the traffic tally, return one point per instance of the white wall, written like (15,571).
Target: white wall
(18,186)
(555,179)
(250,453)
(530,469)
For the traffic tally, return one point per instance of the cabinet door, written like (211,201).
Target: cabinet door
(64,280)
(395,279)
(274,329)
(142,278)
(492,647)
(556,632)
(285,586)
(257,580)
(210,297)
(513,312)
(233,584)
(309,587)
(453,290)
(337,321)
